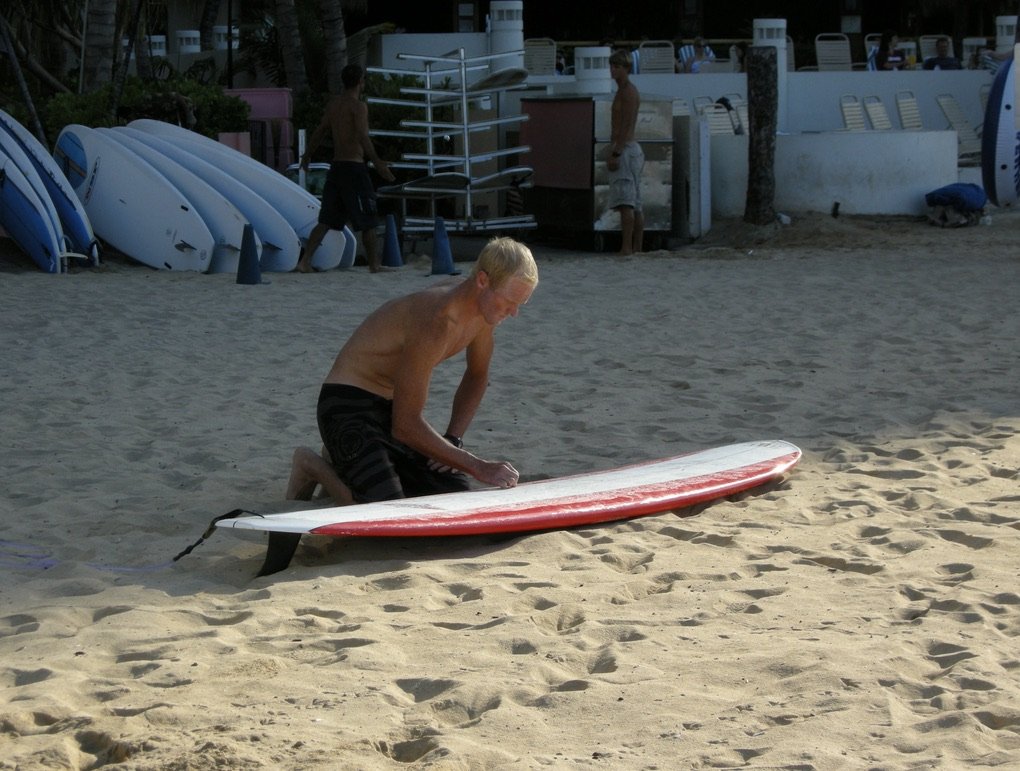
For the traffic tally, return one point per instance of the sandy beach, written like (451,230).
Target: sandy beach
(863,613)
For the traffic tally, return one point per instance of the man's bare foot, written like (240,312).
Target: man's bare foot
(309,469)
(305,267)
(380,269)
(301,485)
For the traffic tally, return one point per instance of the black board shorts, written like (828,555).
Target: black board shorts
(357,431)
(349,197)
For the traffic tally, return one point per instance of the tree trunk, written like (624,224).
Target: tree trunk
(335,36)
(100,38)
(120,75)
(5,39)
(210,10)
(763,110)
(289,36)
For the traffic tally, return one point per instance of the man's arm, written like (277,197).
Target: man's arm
(367,147)
(423,351)
(472,385)
(317,136)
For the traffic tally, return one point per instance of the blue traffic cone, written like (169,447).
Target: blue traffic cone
(350,247)
(248,270)
(442,257)
(391,247)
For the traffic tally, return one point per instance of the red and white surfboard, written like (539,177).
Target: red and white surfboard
(630,491)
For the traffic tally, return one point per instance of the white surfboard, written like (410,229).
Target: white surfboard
(583,499)
(131,205)
(222,218)
(24,217)
(12,148)
(1000,139)
(281,247)
(75,222)
(299,207)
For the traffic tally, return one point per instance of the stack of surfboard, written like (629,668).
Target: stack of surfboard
(38,208)
(176,200)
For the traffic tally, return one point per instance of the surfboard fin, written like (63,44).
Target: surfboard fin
(279,552)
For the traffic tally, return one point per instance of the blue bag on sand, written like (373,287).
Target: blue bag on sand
(962,196)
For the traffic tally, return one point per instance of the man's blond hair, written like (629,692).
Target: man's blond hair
(620,57)
(503,259)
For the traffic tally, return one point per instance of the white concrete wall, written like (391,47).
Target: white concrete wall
(813,97)
(473,43)
(873,172)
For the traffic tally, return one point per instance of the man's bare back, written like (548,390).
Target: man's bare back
(347,117)
(623,117)
(378,348)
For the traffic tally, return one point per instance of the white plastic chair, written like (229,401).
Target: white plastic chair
(540,56)
(833,52)
(657,57)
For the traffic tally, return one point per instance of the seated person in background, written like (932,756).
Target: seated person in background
(694,55)
(942,60)
(889,56)
(738,56)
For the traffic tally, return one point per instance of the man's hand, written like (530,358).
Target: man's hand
(498,474)
(384,170)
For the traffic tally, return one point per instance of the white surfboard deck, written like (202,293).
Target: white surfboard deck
(131,205)
(224,220)
(299,207)
(631,491)
(281,247)
(74,221)
(24,217)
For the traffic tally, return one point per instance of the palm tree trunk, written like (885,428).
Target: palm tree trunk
(210,10)
(290,46)
(121,73)
(100,38)
(335,36)
(5,39)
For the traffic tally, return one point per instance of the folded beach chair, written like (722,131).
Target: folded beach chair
(853,113)
(910,112)
(701,102)
(968,140)
(877,113)
(720,119)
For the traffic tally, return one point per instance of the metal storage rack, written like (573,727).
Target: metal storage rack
(460,174)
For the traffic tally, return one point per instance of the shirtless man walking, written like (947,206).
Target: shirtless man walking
(348,195)
(378,445)
(626,159)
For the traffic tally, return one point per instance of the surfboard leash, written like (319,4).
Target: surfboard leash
(212,529)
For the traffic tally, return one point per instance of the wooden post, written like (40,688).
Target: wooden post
(763,110)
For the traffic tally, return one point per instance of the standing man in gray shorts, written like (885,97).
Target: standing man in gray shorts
(626,159)
(348,195)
